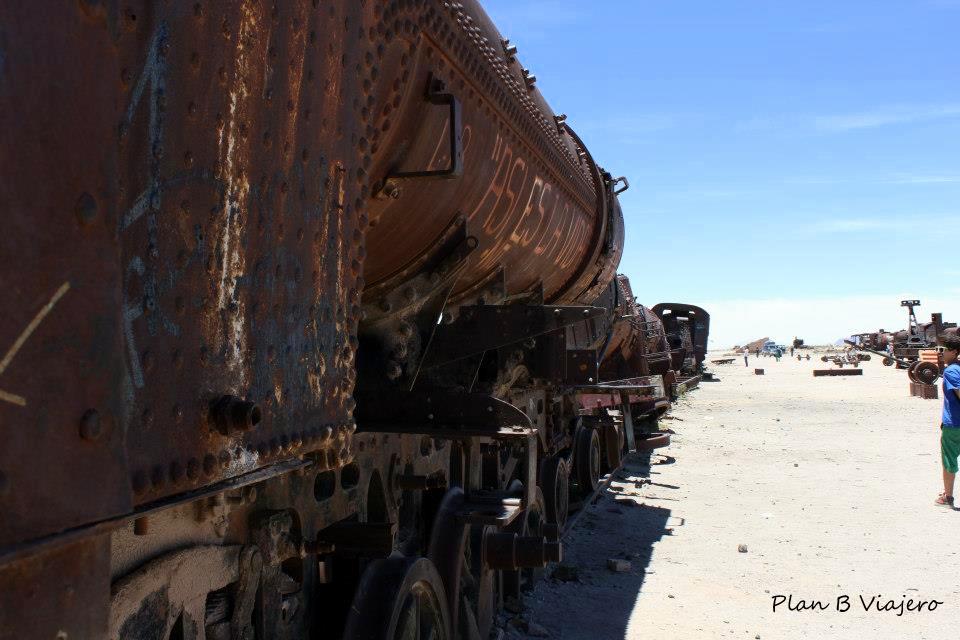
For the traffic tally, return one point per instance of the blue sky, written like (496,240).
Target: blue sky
(780,154)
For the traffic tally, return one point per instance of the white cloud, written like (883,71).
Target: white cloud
(855,225)
(925,179)
(904,224)
(817,320)
(897,178)
(794,124)
(885,116)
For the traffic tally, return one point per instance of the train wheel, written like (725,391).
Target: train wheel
(448,541)
(533,525)
(887,362)
(586,460)
(530,523)
(911,371)
(399,599)
(613,441)
(555,480)
(926,373)
(468,596)
(485,588)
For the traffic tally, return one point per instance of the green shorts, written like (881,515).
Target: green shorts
(949,447)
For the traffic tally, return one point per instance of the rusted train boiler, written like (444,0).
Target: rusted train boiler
(311,321)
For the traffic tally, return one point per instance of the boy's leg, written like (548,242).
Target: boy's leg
(949,452)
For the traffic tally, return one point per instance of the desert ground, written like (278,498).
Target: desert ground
(774,485)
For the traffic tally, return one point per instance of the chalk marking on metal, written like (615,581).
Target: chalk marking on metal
(24,335)
(13,398)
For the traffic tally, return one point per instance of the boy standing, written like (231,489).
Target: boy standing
(950,423)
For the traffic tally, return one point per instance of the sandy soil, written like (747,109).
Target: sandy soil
(829,482)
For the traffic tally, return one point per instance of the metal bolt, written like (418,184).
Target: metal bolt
(318,547)
(230,414)
(509,50)
(392,190)
(90,427)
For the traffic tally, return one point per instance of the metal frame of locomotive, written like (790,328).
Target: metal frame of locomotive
(309,309)
(908,343)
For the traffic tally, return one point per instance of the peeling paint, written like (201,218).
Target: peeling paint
(230,324)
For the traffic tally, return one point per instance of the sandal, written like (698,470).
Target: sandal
(943,500)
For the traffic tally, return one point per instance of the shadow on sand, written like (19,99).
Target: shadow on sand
(590,595)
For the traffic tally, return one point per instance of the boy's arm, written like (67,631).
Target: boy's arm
(951,378)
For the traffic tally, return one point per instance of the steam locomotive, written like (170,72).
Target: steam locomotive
(312,325)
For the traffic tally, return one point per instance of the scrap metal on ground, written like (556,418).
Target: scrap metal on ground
(837,372)
(905,345)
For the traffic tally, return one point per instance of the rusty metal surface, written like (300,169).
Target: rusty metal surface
(196,191)
(537,207)
(62,593)
(637,344)
(688,326)
(907,342)
(194,231)
(60,275)
(837,372)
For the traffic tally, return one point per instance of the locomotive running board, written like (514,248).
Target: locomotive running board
(441,413)
(457,416)
(480,328)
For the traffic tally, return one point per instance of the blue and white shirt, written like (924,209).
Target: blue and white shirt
(951,404)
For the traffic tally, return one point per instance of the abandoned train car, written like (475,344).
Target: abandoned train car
(312,321)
